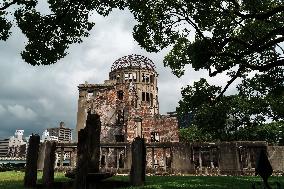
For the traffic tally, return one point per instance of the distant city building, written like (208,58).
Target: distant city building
(17,146)
(63,133)
(4,147)
(46,137)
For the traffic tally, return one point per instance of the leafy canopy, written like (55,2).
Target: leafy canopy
(50,35)
(243,39)
(231,36)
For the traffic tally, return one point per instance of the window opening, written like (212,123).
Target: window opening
(148,97)
(126,76)
(118,77)
(143,96)
(155,137)
(143,77)
(152,79)
(121,161)
(120,95)
(103,160)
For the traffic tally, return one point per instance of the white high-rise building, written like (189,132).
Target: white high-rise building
(17,146)
(46,137)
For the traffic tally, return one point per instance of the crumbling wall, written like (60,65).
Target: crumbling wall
(116,105)
(275,156)
(106,102)
(229,158)
(155,129)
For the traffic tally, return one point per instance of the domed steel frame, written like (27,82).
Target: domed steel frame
(133,60)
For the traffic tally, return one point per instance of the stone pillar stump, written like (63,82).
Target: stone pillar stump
(137,173)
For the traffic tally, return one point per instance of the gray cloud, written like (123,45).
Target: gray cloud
(22,112)
(34,98)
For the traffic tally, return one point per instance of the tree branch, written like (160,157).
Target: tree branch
(194,25)
(220,70)
(8,5)
(229,83)
(267,66)
(279,46)
(263,15)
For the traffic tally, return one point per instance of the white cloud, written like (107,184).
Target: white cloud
(22,112)
(2,109)
(46,104)
(46,95)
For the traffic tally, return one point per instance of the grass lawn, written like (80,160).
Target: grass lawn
(14,180)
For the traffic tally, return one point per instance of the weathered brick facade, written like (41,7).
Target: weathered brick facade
(128,103)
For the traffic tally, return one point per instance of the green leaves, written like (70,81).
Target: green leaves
(5,27)
(49,36)
(234,117)
(227,34)
(194,134)
(178,56)
(232,37)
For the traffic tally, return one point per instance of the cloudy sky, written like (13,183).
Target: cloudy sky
(35,98)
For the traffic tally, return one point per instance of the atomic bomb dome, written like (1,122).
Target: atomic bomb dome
(127,103)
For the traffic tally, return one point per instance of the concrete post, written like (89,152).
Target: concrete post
(61,158)
(49,161)
(248,158)
(137,173)
(200,160)
(93,126)
(229,158)
(88,150)
(153,159)
(211,158)
(41,154)
(31,162)
(165,159)
(128,156)
(82,164)
(73,158)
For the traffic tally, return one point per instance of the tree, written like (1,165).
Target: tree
(243,39)
(231,36)
(194,134)
(235,117)
(50,35)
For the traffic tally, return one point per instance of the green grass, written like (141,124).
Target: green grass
(14,180)
(203,182)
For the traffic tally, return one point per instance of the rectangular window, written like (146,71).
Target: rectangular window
(120,117)
(126,76)
(130,77)
(155,137)
(90,94)
(118,77)
(120,95)
(151,99)
(148,97)
(134,77)
(143,96)
(103,160)
(147,78)
(151,79)
(143,77)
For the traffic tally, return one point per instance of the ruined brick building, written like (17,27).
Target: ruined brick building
(128,107)
(128,103)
